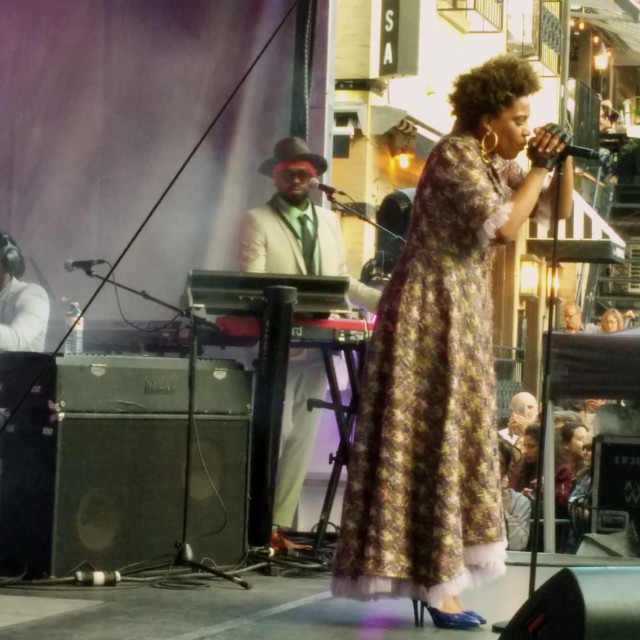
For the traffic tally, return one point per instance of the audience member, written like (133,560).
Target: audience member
(523,411)
(560,418)
(609,117)
(611,320)
(575,405)
(573,320)
(569,462)
(516,507)
(580,499)
(523,474)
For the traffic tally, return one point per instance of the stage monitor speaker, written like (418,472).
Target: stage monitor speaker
(616,483)
(582,603)
(108,490)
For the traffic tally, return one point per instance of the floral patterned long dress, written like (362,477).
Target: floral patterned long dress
(422,514)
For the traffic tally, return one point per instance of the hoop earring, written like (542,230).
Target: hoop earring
(484,151)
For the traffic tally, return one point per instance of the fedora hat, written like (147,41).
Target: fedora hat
(292,149)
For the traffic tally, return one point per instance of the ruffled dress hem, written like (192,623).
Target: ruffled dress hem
(483,563)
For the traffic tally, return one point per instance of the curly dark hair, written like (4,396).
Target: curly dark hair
(491,88)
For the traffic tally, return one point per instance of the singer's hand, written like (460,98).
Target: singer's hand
(545,147)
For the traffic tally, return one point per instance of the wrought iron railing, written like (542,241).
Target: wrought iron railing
(508,364)
(482,16)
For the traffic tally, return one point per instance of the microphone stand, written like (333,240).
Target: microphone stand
(347,208)
(88,270)
(545,449)
(184,555)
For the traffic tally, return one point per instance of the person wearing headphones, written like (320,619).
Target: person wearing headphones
(24,307)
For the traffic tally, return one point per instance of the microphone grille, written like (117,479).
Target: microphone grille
(314,182)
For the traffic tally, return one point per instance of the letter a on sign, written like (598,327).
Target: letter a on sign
(387,58)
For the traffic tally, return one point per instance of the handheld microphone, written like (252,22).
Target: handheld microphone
(580,152)
(70,265)
(325,188)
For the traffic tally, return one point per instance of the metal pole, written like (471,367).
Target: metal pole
(565,20)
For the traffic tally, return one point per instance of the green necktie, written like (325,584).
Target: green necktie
(307,244)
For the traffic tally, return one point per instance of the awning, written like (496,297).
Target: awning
(592,251)
(385,118)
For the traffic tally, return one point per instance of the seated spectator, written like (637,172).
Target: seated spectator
(560,418)
(580,500)
(523,474)
(575,405)
(516,507)
(611,320)
(573,320)
(569,462)
(523,411)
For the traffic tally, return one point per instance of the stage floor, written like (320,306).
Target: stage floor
(279,607)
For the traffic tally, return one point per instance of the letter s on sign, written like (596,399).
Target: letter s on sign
(388,21)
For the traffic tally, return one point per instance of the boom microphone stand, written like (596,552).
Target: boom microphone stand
(545,452)
(184,556)
(344,207)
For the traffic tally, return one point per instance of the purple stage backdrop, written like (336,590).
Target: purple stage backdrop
(103,101)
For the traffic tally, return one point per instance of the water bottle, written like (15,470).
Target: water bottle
(73,345)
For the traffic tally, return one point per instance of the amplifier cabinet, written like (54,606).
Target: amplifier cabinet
(109,490)
(616,483)
(124,384)
(130,384)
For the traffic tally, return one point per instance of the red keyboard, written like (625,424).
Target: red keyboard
(304,330)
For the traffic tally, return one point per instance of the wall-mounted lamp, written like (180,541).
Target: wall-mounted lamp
(553,281)
(403,159)
(529,276)
(401,141)
(601,56)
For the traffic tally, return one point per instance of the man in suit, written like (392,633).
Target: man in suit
(291,235)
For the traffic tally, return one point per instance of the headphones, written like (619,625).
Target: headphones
(11,257)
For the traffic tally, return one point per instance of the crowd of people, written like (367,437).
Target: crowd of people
(610,320)
(576,423)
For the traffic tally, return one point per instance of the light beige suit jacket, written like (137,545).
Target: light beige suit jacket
(269,246)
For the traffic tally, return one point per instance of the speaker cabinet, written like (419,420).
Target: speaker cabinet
(616,483)
(585,603)
(109,490)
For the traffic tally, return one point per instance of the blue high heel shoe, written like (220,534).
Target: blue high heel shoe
(478,616)
(444,620)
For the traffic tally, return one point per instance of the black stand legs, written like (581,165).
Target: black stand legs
(184,557)
(269,392)
(345,418)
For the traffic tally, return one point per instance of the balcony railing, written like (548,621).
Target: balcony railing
(508,364)
(474,16)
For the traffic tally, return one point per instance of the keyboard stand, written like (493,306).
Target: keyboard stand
(354,355)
